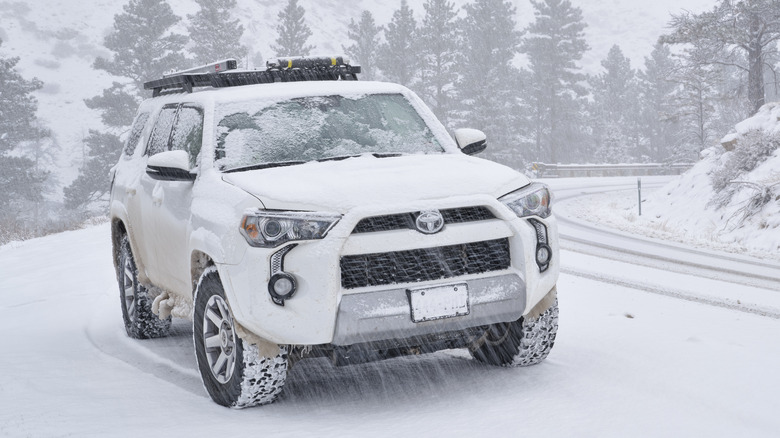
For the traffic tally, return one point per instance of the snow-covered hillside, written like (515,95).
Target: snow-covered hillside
(730,200)
(58,40)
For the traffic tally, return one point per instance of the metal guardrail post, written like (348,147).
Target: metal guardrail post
(639,190)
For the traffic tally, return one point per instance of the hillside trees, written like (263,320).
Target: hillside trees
(293,32)
(215,36)
(439,49)
(363,51)
(20,179)
(738,33)
(489,83)
(659,121)
(398,55)
(554,44)
(144,48)
(615,112)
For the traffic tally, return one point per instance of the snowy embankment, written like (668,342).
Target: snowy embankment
(729,201)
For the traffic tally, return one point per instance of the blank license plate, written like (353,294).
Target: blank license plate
(439,302)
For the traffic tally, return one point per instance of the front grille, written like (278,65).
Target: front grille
(424,264)
(405,221)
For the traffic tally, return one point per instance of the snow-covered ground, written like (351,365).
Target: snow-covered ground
(626,363)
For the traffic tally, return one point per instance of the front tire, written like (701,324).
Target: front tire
(235,373)
(524,342)
(140,321)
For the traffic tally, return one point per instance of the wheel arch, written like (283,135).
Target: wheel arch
(199,262)
(118,230)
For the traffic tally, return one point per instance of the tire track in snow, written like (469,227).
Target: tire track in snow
(675,293)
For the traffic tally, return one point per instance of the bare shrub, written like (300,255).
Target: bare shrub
(751,149)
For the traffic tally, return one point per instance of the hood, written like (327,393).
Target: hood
(339,186)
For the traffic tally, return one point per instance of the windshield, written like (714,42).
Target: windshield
(252,134)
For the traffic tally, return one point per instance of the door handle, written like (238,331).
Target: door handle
(130,191)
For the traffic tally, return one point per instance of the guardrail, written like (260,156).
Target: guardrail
(544,170)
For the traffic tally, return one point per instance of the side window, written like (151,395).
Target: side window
(188,132)
(158,142)
(135,133)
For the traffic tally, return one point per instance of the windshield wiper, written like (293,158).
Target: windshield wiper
(373,154)
(264,166)
(343,157)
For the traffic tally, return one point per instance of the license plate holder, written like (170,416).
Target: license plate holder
(438,302)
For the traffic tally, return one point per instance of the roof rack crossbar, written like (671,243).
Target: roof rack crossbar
(282,70)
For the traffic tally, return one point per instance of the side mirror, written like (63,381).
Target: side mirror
(170,166)
(470,141)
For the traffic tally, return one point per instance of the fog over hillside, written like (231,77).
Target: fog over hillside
(58,41)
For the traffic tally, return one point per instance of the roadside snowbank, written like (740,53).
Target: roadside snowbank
(729,201)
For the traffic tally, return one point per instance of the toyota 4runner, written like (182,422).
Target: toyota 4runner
(295,212)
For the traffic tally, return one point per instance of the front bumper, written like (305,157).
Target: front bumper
(381,315)
(324,312)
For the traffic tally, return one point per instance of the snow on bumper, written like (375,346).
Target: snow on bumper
(325,310)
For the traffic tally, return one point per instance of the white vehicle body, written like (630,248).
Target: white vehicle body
(177,229)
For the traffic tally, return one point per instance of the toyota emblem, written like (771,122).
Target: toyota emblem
(429,221)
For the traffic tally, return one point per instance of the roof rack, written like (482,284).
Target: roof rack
(220,74)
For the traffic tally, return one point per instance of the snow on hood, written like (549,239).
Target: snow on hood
(339,186)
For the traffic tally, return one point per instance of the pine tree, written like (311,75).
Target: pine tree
(144,48)
(363,51)
(614,110)
(214,35)
(398,56)
(554,45)
(695,102)
(293,31)
(439,50)
(487,89)
(660,123)
(92,182)
(20,179)
(736,32)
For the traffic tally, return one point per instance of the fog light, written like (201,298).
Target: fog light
(543,254)
(281,287)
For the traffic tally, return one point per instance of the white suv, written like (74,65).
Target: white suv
(290,215)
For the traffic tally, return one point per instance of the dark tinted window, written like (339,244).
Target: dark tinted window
(135,133)
(188,132)
(158,142)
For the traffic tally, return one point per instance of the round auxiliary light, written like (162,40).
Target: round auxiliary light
(543,254)
(282,286)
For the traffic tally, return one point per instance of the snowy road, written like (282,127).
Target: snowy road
(632,358)
(727,280)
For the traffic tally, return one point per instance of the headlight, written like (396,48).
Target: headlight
(532,200)
(271,229)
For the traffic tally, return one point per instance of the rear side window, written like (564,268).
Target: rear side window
(188,132)
(135,133)
(158,142)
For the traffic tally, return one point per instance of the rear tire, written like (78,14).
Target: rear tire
(140,321)
(235,373)
(519,343)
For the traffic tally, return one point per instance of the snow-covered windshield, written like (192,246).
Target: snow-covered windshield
(315,128)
